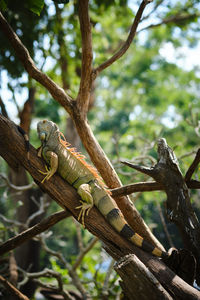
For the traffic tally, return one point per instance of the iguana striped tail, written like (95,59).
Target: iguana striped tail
(107,206)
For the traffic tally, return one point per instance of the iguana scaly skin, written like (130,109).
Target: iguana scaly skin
(71,166)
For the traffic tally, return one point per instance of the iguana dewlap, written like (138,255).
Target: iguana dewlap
(71,166)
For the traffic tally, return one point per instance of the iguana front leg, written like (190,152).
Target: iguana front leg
(53,158)
(84,191)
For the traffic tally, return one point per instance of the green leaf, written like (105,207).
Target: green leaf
(36,6)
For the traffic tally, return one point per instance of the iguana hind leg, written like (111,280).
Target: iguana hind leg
(53,158)
(87,202)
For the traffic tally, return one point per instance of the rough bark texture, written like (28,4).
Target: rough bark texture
(178,206)
(12,149)
(143,280)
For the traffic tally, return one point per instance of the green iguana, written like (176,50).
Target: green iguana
(72,167)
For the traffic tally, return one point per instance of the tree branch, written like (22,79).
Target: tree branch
(14,292)
(24,56)
(127,43)
(147,187)
(136,187)
(22,237)
(86,68)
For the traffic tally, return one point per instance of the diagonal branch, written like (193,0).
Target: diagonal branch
(24,56)
(13,290)
(22,237)
(86,69)
(127,43)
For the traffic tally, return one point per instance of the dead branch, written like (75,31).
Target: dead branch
(178,208)
(127,43)
(143,279)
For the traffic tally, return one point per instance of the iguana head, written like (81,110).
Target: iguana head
(46,129)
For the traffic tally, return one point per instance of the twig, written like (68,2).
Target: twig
(75,279)
(22,237)
(49,274)
(15,187)
(42,208)
(127,43)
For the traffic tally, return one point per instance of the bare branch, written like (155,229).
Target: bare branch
(86,68)
(22,237)
(49,274)
(72,273)
(127,43)
(15,187)
(23,54)
(136,187)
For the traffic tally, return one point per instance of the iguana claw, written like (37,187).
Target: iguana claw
(85,209)
(48,174)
